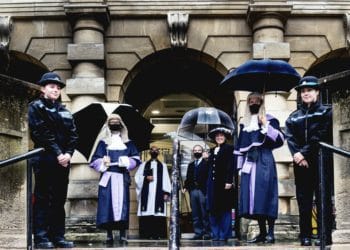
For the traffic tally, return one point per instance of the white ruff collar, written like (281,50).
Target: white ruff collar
(117,143)
(254,124)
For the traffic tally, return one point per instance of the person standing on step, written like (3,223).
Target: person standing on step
(259,134)
(305,127)
(114,157)
(52,128)
(196,184)
(153,189)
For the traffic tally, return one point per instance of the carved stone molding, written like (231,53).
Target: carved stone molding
(178,25)
(5,31)
(347,29)
(5,37)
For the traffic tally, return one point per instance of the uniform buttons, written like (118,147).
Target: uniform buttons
(213,171)
(213,178)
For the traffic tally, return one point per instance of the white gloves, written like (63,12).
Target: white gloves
(123,162)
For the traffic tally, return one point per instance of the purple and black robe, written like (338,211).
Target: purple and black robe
(259,192)
(113,190)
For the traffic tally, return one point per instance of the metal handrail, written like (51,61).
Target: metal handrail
(20,157)
(13,160)
(333,149)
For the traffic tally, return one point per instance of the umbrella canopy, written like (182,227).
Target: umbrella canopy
(91,119)
(262,75)
(196,123)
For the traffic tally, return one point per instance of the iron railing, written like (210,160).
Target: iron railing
(321,168)
(13,160)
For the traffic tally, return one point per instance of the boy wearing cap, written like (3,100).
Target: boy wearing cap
(52,128)
(305,127)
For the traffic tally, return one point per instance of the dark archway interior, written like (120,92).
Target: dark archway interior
(172,72)
(25,67)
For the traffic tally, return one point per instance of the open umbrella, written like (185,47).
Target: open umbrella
(261,76)
(90,119)
(196,123)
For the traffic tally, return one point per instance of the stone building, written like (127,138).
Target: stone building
(169,55)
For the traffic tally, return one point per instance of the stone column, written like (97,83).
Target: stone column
(267,20)
(341,138)
(87,57)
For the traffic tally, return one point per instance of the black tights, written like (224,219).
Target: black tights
(110,234)
(262,226)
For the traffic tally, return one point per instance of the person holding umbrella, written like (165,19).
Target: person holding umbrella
(115,155)
(305,127)
(259,135)
(52,128)
(220,184)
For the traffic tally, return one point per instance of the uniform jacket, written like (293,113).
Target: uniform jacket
(201,181)
(52,127)
(306,127)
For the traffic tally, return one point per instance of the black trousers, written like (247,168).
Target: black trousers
(50,192)
(307,185)
(152,227)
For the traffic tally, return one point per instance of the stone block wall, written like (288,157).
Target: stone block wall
(14,97)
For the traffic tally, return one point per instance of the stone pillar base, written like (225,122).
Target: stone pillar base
(341,236)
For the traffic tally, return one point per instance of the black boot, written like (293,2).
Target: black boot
(122,237)
(109,239)
(41,240)
(270,238)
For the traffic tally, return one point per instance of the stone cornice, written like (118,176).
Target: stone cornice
(55,8)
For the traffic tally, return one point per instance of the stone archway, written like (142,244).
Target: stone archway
(176,71)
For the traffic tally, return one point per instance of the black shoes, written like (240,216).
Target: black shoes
(197,237)
(318,242)
(305,241)
(44,245)
(206,237)
(257,239)
(123,240)
(64,244)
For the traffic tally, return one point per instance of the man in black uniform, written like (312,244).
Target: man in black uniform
(51,127)
(305,127)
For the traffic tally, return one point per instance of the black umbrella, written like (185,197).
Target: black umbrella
(91,119)
(196,123)
(261,76)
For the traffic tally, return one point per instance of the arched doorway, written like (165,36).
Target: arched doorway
(165,85)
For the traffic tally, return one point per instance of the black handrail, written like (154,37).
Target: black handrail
(13,160)
(20,157)
(333,149)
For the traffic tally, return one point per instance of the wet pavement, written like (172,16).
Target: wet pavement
(198,244)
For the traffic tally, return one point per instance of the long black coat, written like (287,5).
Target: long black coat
(221,169)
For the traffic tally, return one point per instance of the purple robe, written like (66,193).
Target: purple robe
(113,190)
(259,192)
